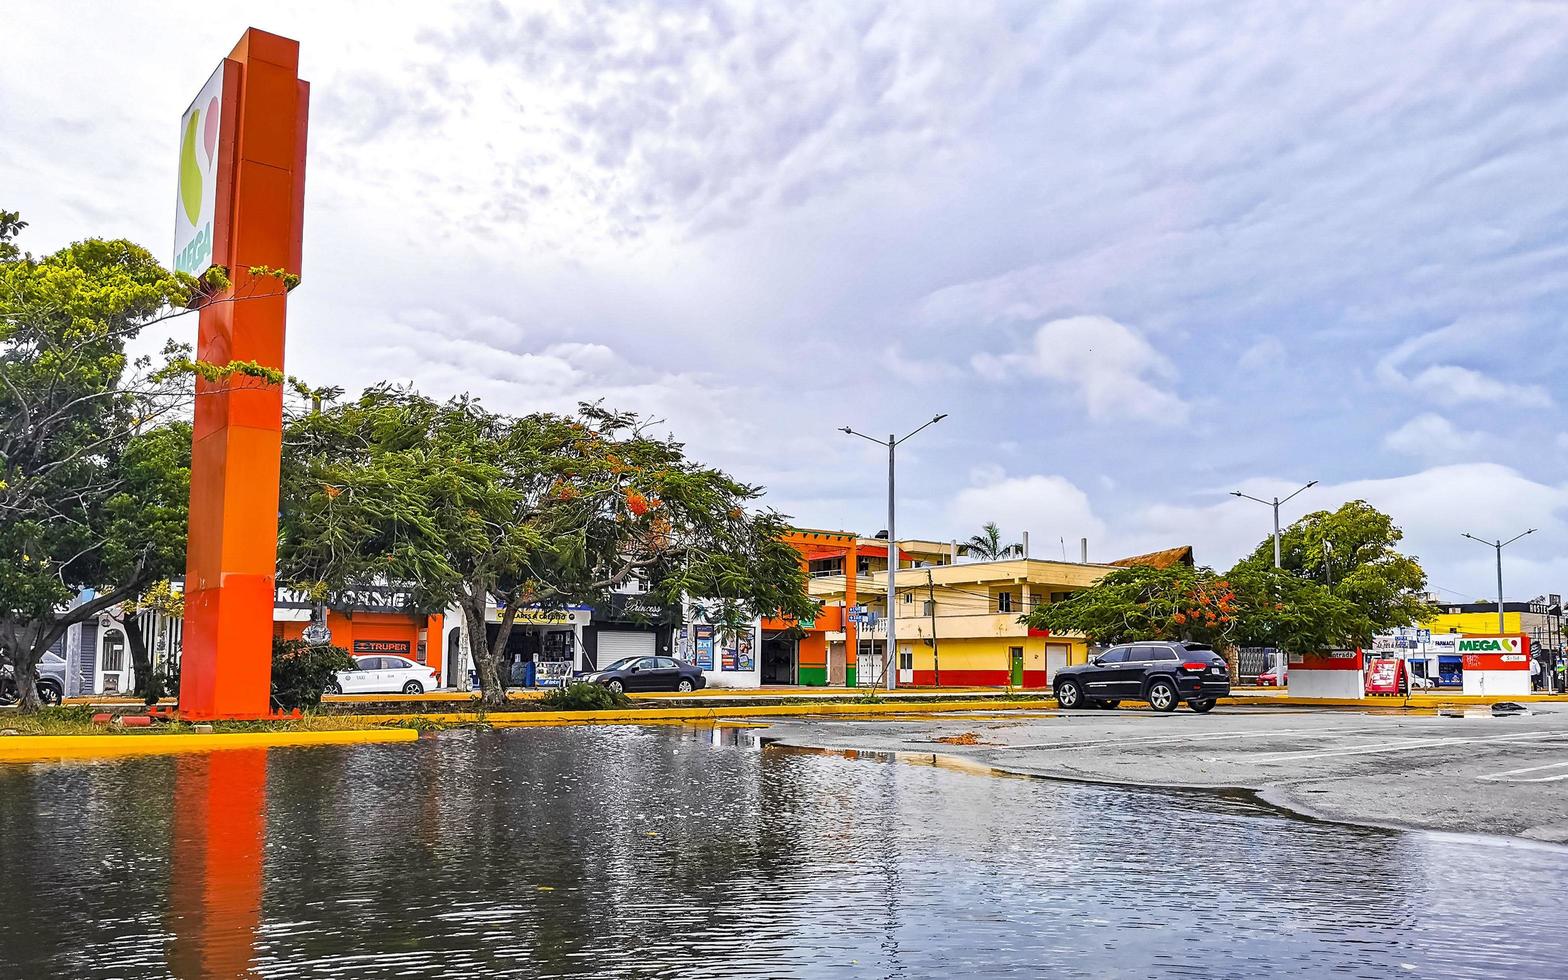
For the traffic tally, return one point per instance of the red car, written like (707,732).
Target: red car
(1271,679)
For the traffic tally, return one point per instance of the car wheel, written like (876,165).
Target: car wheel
(333,687)
(49,694)
(1202,705)
(1162,696)
(1069,694)
(413,687)
(684,686)
(615,686)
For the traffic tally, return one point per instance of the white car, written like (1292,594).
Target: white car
(384,675)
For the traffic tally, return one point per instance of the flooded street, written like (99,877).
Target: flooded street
(665,852)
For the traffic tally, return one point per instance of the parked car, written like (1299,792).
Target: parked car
(1419,683)
(50,677)
(384,675)
(1163,673)
(1271,679)
(646,674)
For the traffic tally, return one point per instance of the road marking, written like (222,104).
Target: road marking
(1502,777)
(1197,737)
(1301,755)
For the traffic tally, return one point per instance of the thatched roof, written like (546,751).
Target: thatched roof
(1160,559)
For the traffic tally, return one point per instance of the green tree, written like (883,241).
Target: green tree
(1145,603)
(538,511)
(1350,556)
(988,546)
(88,489)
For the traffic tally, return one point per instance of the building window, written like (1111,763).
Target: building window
(928,608)
(908,598)
(1004,602)
(862,565)
(1062,596)
(906,658)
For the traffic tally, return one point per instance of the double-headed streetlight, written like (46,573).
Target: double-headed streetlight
(1275,505)
(888,669)
(1498,546)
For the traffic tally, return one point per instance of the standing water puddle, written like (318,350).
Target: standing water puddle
(672,852)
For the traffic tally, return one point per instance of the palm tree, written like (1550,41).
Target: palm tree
(987,545)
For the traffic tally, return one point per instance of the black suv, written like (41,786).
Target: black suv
(1161,672)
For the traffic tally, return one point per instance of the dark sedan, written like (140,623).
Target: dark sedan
(647,674)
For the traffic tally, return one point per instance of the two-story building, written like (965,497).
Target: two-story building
(958,623)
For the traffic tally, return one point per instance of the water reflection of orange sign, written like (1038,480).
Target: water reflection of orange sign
(220,831)
(1385,676)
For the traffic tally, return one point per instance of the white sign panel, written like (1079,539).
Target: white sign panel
(195,203)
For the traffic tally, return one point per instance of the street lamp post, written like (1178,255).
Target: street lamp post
(1275,505)
(1279,659)
(889,669)
(1498,546)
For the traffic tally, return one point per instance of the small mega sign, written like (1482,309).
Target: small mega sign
(1495,652)
(201,150)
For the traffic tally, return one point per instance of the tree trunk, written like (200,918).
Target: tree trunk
(492,692)
(148,685)
(33,642)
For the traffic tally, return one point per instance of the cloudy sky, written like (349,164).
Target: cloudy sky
(1141,253)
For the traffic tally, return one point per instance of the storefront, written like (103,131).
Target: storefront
(629,625)
(727,658)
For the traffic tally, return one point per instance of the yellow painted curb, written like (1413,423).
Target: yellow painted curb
(36,748)
(632,716)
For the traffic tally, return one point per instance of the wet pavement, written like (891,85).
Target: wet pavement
(690,852)
(1468,771)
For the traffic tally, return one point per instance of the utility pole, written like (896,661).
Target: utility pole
(889,663)
(1498,546)
(936,660)
(1275,505)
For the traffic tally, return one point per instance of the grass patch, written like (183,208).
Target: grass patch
(78,720)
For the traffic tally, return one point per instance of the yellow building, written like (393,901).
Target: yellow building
(971,610)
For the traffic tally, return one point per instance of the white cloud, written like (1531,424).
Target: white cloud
(1431,435)
(1264,355)
(1048,507)
(1432,506)
(1454,385)
(1108,365)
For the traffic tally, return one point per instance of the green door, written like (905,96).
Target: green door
(1016,658)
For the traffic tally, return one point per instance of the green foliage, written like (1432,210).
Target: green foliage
(91,472)
(1175,603)
(583,697)
(542,510)
(1376,586)
(988,546)
(301,672)
(289,279)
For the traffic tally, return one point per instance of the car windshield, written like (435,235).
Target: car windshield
(625,663)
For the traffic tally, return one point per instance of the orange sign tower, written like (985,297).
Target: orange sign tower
(240,206)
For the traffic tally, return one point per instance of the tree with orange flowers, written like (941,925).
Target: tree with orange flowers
(533,512)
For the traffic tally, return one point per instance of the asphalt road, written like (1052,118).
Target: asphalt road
(1477,773)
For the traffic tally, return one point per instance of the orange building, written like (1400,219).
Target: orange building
(371,620)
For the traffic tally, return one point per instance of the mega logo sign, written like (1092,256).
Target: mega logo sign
(1491,644)
(195,205)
